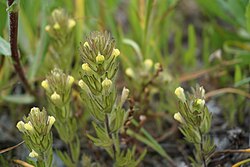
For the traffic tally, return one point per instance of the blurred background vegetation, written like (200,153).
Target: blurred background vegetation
(163,44)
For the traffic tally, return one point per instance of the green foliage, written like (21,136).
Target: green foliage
(36,132)
(98,77)
(195,122)
(4,47)
(161,44)
(58,90)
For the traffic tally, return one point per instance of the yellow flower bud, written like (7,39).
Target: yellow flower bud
(28,126)
(56,98)
(130,73)
(56,26)
(56,12)
(106,83)
(34,111)
(115,52)
(86,44)
(157,66)
(100,59)
(180,94)
(82,84)
(71,23)
(178,117)
(125,93)
(202,90)
(51,120)
(33,154)
(148,63)
(47,28)
(85,67)
(20,126)
(45,84)
(70,80)
(200,102)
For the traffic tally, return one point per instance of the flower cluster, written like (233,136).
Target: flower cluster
(58,87)
(98,73)
(146,78)
(195,120)
(146,67)
(193,110)
(99,69)
(36,130)
(60,25)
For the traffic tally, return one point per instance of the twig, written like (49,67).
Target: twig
(226,90)
(11,148)
(230,151)
(144,86)
(13,15)
(22,163)
(242,162)
(190,76)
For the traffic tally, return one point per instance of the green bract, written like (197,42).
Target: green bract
(58,90)
(195,120)
(36,132)
(98,73)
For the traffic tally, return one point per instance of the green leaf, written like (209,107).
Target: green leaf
(190,55)
(135,46)
(237,74)
(19,99)
(242,82)
(4,47)
(247,15)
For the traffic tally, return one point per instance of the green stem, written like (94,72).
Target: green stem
(117,142)
(110,135)
(202,149)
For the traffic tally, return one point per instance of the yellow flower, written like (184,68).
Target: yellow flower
(45,84)
(56,26)
(130,73)
(100,59)
(85,67)
(178,117)
(202,90)
(71,23)
(200,102)
(56,98)
(47,28)
(180,94)
(51,120)
(33,154)
(116,52)
(106,83)
(20,126)
(86,44)
(125,93)
(28,126)
(70,80)
(148,63)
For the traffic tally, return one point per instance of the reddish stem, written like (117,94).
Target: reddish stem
(13,15)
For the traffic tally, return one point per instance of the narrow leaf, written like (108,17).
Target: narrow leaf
(4,47)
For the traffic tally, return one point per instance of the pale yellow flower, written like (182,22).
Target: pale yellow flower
(179,92)
(33,154)
(178,117)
